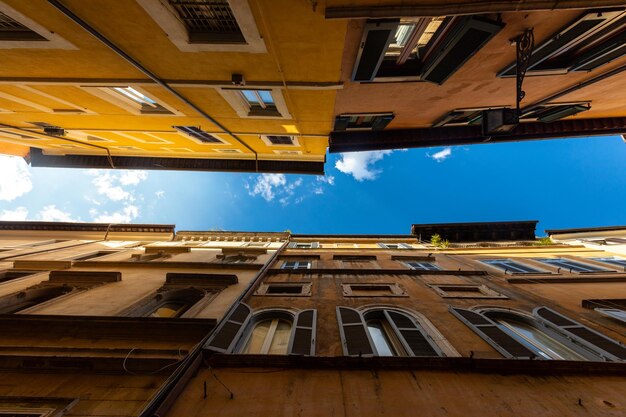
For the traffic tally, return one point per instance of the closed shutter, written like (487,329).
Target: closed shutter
(604,346)
(226,336)
(405,246)
(303,339)
(382,245)
(417,342)
(315,245)
(354,335)
(496,337)
(292,245)
(381,122)
(341,123)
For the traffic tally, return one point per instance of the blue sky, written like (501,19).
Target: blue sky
(562,183)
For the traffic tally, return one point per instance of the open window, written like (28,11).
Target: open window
(256,103)
(595,38)
(430,49)
(271,332)
(383,332)
(362,121)
(19,31)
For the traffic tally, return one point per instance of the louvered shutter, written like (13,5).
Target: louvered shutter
(341,123)
(496,337)
(292,245)
(417,342)
(354,335)
(315,245)
(382,121)
(604,346)
(382,245)
(303,338)
(226,336)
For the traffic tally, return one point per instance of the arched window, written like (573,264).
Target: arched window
(546,334)
(270,332)
(270,336)
(545,343)
(383,332)
(168,304)
(31,297)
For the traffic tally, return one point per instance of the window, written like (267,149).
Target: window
(303,245)
(592,40)
(612,307)
(571,266)
(256,244)
(372,290)
(19,31)
(168,303)
(12,30)
(395,246)
(364,121)
(31,297)
(429,49)
(615,313)
(280,140)
(546,334)
(383,332)
(133,99)
(238,259)
(93,255)
(613,261)
(508,265)
(285,289)
(465,291)
(12,274)
(208,21)
(259,102)
(207,25)
(424,266)
(198,134)
(297,265)
(273,332)
(145,104)
(256,103)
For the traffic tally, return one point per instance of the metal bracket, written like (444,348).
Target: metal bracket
(524,44)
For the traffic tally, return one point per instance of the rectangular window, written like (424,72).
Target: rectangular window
(571,266)
(303,245)
(12,30)
(144,103)
(280,140)
(372,290)
(613,313)
(424,266)
(198,134)
(259,102)
(93,255)
(507,265)
(297,265)
(209,21)
(11,275)
(362,121)
(465,291)
(285,289)
(613,261)
(395,246)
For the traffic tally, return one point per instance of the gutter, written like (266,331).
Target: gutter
(108,43)
(163,400)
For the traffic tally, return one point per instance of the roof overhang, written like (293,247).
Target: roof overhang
(478,231)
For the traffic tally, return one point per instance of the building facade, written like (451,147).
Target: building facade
(451,319)
(262,86)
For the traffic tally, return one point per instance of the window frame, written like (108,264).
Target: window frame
(395,290)
(114,97)
(483,291)
(296,265)
(244,110)
(590,269)
(613,261)
(51,40)
(492,263)
(432,266)
(399,246)
(268,142)
(265,289)
(343,122)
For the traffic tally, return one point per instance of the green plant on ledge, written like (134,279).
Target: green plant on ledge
(438,242)
(544,241)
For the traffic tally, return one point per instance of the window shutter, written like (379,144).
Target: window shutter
(382,245)
(341,123)
(225,337)
(382,121)
(492,334)
(354,336)
(417,342)
(315,245)
(405,246)
(291,245)
(303,338)
(604,346)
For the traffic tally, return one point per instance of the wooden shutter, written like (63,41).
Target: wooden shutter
(354,335)
(405,246)
(303,337)
(315,245)
(292,245)
(417,342)
(496,337)
(382,245)
(377,35)
(226,335)
(602,345)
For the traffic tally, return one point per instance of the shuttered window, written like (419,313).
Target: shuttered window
(493,334)
(303,245)
(510,266)
(423,266)
(605,347)
(303,339)
(383,332)
(571,266)
(225,337)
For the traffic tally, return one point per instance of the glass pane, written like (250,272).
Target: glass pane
(257,338)
(168,310)
(250,96)
(542,343)
(266,96)
(380,338)
(280,342)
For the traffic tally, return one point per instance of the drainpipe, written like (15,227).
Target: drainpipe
(163,400)
(92,31)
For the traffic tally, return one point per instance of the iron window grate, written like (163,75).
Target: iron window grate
(12,30)
(208,21)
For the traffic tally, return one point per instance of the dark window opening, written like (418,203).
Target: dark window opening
(12,30)
(208,21)
(29,298)
(280,140)
(284,289)
(93,255)
(371,121)
(198,133)
(11,275)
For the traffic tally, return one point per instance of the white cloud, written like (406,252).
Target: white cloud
(133,177)
(359,164)
(266,185)
(330,180)
(126,215)
(442,155)
(160,194)
(19,214)
(52,214)
(14,177)
(111,184)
